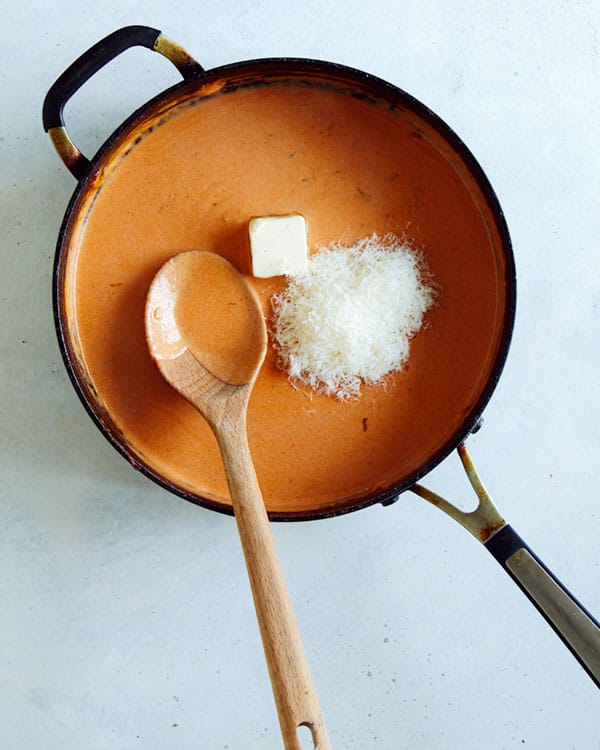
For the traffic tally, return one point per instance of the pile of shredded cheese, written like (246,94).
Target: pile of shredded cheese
(348,318)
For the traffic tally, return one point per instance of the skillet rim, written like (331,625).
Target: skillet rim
(294,66)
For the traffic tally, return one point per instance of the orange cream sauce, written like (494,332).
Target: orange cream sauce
(200,302)
(352,168)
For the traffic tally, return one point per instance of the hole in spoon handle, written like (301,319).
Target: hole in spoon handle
(305,738)
(313,737)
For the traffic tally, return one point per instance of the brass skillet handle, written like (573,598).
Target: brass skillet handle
(574,625)
(88,65)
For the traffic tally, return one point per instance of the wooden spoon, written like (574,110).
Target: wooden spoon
(194,295)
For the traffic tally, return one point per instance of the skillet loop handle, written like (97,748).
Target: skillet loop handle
(88,65)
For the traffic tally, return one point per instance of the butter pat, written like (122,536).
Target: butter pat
(278,245)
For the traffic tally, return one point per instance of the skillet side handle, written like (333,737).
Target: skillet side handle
(574,625)
(88,65)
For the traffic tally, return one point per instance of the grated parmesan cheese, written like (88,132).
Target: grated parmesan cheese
(348,318)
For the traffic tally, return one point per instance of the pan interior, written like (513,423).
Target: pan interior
(188,174)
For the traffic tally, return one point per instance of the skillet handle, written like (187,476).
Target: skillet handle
(88,65)
(574,625)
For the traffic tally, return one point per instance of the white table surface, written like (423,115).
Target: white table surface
(126,614)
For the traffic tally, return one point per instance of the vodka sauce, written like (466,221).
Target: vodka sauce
(198,301)
(351,168)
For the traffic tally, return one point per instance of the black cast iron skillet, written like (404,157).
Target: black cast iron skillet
(572,622)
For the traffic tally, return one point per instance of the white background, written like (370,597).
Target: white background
(126,616)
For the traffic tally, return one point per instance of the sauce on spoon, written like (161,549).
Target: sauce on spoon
(201,303)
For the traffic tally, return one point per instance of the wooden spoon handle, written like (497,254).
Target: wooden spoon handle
(291,679)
